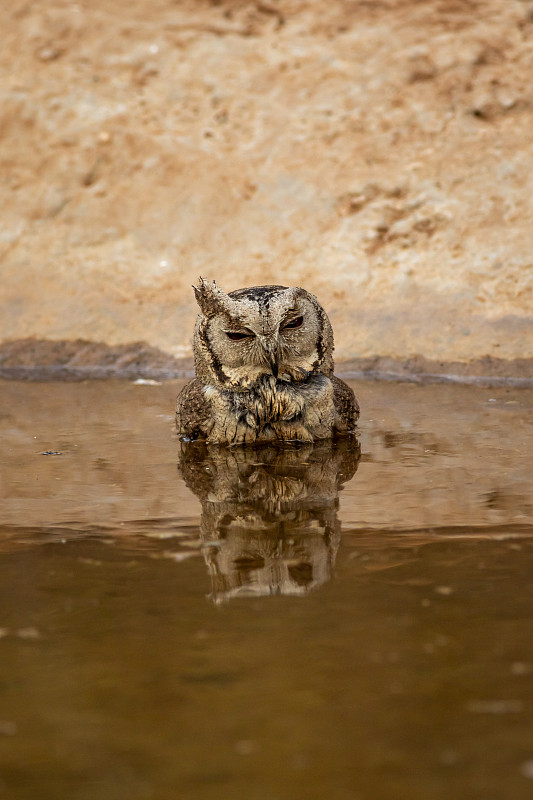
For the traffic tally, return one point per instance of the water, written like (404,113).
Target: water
(266,624)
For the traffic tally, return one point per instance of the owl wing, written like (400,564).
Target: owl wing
(346,405)
(193,411)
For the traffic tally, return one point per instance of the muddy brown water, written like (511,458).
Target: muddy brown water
(350,621)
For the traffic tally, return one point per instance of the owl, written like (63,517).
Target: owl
(264,370)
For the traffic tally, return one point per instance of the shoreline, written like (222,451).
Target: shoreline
(44,360)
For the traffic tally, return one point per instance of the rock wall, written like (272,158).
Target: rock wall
(376,152)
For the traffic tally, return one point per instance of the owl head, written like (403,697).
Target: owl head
(248,334)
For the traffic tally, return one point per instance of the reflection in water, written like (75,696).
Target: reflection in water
(408,676)
(269,514)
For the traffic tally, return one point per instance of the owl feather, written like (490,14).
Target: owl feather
(264,369)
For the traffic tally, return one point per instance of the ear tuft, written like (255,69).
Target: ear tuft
(209,297)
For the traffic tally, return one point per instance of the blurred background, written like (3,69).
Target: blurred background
(376,152)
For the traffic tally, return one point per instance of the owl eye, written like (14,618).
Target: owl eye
(294,323)
(236,335)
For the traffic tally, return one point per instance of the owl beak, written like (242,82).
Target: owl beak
(271,348)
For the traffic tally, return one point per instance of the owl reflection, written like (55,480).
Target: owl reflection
(269,513)
(264,370)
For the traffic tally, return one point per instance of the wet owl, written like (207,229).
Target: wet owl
(264,369)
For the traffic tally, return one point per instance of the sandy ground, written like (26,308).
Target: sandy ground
(377,153)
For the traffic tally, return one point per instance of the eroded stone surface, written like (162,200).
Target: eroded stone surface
(376,153)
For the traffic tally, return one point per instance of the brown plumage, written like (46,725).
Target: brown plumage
(264,370)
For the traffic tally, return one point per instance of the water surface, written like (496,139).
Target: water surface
(344,621)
